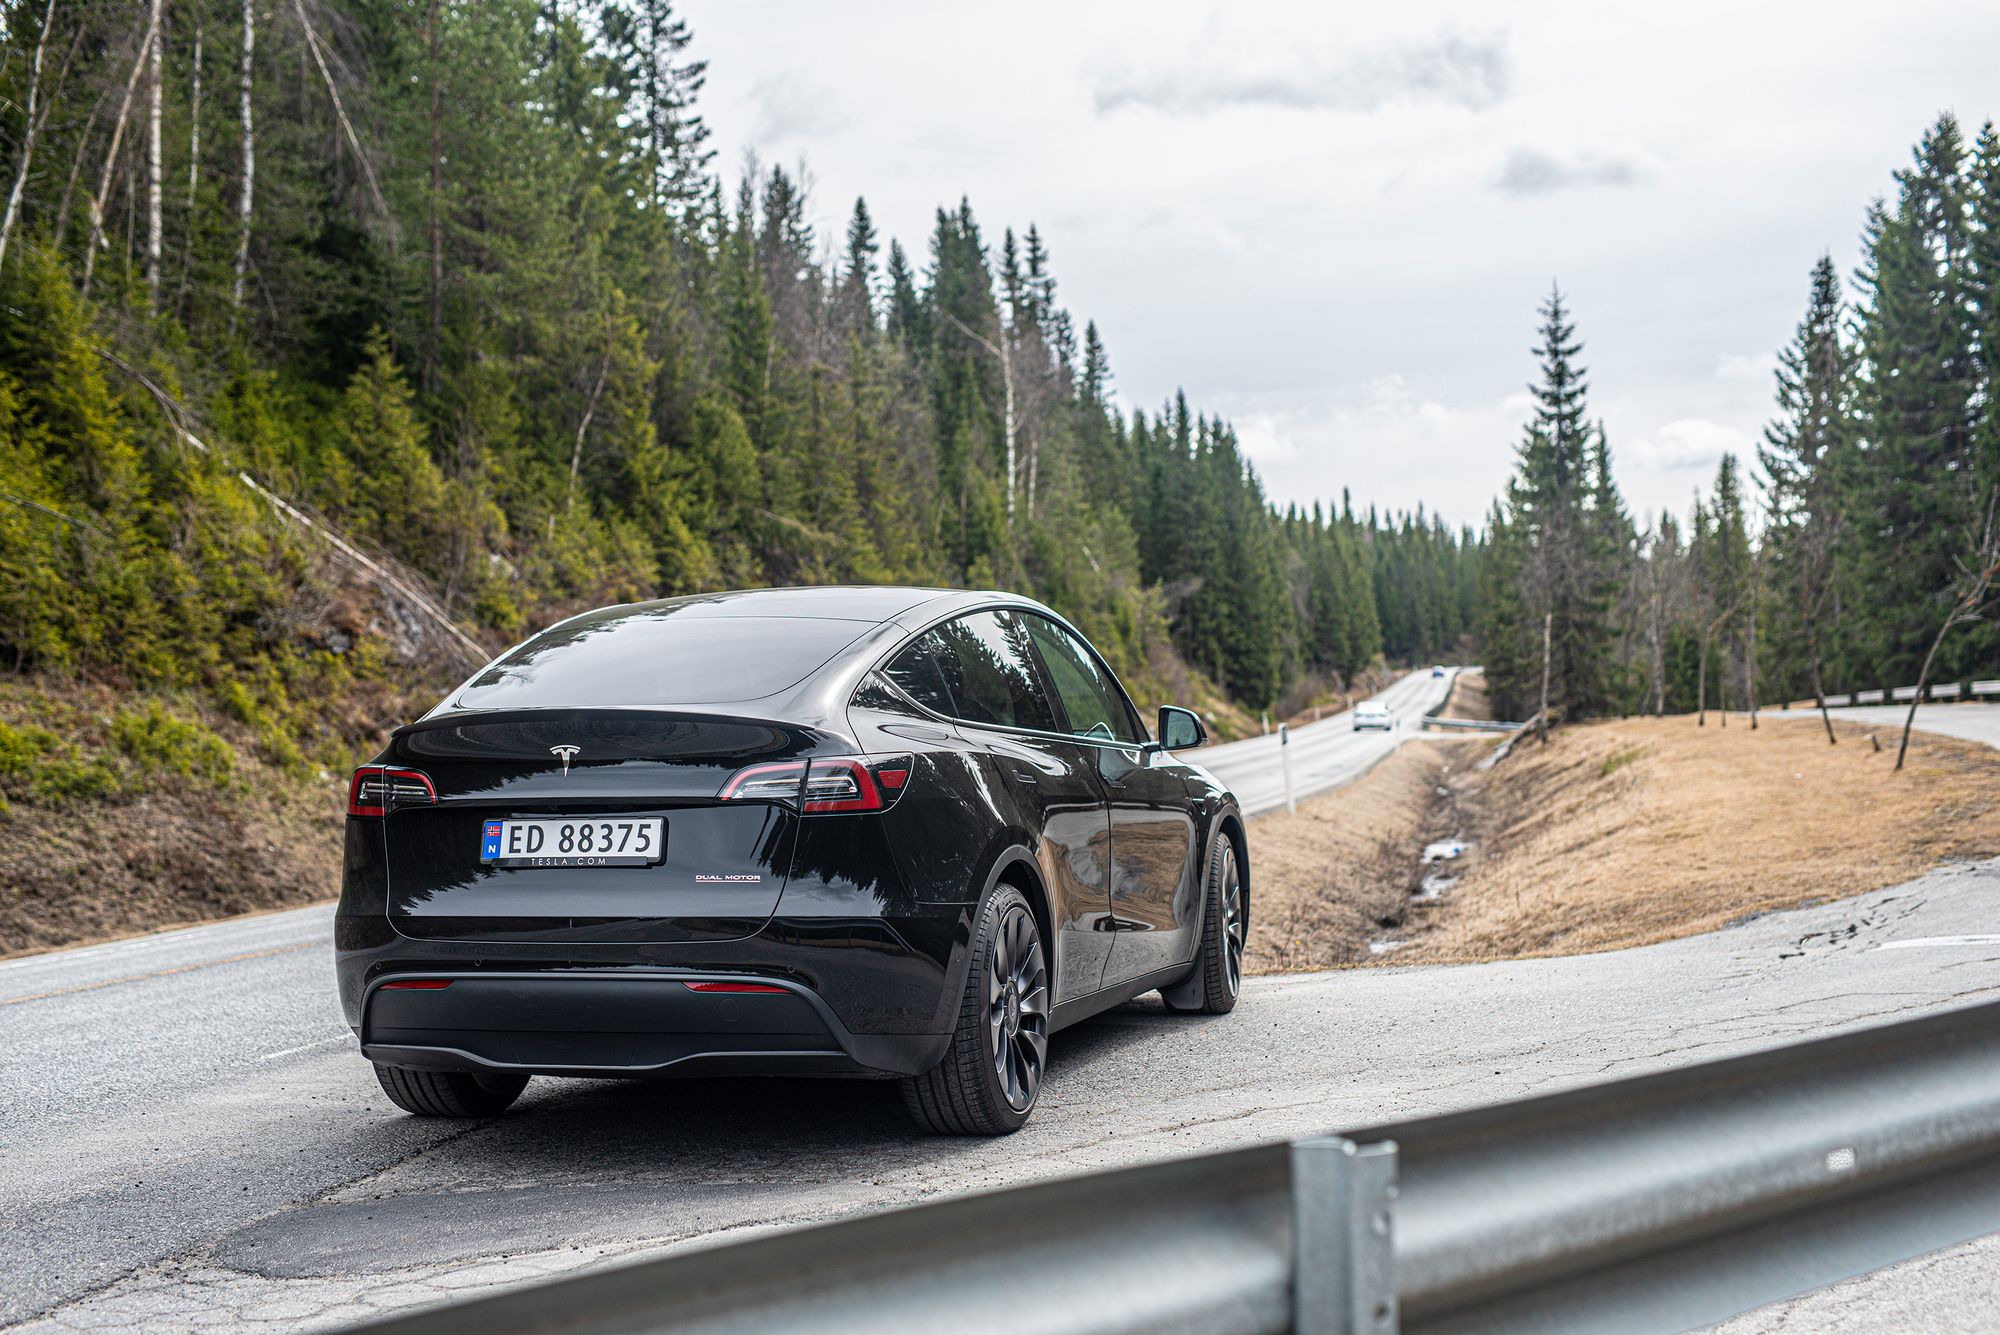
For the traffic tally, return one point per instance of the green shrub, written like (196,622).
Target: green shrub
(157,741)
(22,749)
(65,778)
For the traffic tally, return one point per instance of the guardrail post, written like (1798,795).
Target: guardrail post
(1285,757)
(1343,1237)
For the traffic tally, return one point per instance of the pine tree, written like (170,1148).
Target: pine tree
(1566,557)
(1805,455)
(1913,497)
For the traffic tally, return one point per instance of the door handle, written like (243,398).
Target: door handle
(1026,775)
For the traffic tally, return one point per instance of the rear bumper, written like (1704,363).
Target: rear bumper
(623,1023)
(860,997)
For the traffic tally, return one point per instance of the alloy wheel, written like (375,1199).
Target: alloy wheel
(1233,932)
(1017,1018)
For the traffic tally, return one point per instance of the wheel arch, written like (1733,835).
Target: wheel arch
(1016,867)
(1230,826)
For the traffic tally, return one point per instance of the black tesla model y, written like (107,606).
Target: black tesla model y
(842,831)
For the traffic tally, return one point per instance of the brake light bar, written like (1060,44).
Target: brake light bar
(375,790)
(822,787)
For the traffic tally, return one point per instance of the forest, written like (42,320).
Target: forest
(345,344)
(1862,551)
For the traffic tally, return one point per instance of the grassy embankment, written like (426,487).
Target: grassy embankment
(1615,834)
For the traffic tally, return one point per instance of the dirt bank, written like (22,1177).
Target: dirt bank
(1622,833)
(121,815)
(1341,870)
(1468,698)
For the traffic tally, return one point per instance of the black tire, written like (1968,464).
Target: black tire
(1224,930)
(449,1093)
(991,1074)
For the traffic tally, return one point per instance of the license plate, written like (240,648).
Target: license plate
(573,841)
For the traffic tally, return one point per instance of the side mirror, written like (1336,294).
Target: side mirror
(1180,729)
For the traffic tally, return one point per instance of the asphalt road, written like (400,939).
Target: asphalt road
(187,1139)
(1324,754)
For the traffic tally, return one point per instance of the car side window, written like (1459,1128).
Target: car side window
(1095,706)
(916,672)
(990,672)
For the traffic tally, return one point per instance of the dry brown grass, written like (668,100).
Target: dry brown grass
(1468,698)
(1339,871)
(1622,833)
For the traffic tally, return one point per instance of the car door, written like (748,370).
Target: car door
(1002,707)
(1154,892)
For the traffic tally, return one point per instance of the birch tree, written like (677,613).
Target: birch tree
(154,182)
(103,192)
(247,181)
(27,160)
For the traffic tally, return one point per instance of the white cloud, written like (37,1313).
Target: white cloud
(1266,439)
(1468,72)
(1690,444)
(790,109)
(1530,171)
(1754,366)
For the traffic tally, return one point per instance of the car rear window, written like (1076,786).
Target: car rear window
(658,655)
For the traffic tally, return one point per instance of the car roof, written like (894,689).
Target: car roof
(878,617)
(871,603)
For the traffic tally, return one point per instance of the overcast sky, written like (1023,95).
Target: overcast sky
(1333,223)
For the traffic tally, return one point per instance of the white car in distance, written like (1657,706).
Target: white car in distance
(1373,714)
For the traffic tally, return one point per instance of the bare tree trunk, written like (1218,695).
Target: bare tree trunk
(1750,659)
(1701,683)
(1819,690)
(1656,613)
(1722,690)
(111,154)
(28,136)
(1923,677)
(583,429)
(1034,463)
(247,187)
(1967,608)
(154,184)
(76,171)
(1007,375)
(339,109)
(194,160)
(1548,625)
(434,354)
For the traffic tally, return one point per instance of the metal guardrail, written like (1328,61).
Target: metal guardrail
(1658,1203)
(1479,724)
(1940,690)
(1433,716)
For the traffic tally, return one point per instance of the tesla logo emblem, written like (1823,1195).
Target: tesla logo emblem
(565,754)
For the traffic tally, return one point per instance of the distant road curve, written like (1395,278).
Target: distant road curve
(1324,754)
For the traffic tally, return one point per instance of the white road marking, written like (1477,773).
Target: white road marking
(1969,940)
(305,1047)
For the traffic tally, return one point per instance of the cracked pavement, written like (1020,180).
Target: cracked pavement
(192,1144)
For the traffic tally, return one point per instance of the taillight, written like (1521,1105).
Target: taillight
(417,984)
(375,790)
(823,787)
(735,988)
